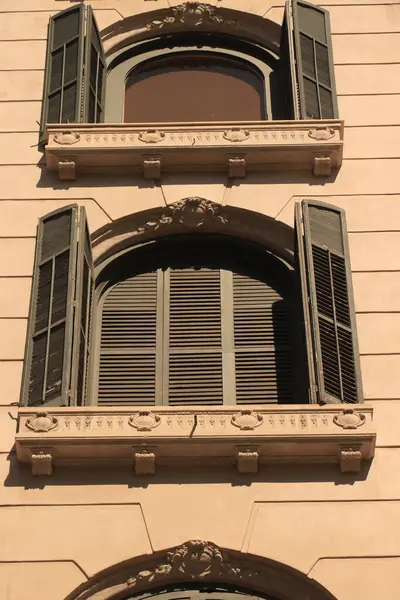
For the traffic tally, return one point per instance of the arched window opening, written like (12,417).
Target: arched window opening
(205,592)
(199,323)
(193,87)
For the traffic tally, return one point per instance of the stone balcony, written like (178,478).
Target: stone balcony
(146,439)
(239,148)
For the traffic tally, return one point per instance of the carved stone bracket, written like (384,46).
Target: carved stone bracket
(144,462)
(237,167)
(151,168)
(322,166)
(247,460)
(42,463)
(350,460)
(67,169)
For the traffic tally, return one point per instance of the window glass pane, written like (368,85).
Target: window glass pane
(66,27)
(56,69)
(37,369)
(69,104)
(55,362)
(194,88)
(71,62)
(54,108)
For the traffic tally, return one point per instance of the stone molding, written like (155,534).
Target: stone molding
(168,436)
(236,148)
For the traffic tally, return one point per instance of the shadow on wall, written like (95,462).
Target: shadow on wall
(20,476)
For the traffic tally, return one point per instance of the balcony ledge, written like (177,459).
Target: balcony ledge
(248,437)
(236,148)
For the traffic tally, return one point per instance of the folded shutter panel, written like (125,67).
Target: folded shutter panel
(64,68)
(330,303)
(95,72)
(193,352)
(314,62)
(49,347)
(262,337)
(74,81)
(128,342)
(288,92)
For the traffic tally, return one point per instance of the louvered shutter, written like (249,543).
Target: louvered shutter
(75,70)
(94,73)
(128,351)
(330,308)
(263,344)
(193,345)
(288,104)
(314,62)
(56,282)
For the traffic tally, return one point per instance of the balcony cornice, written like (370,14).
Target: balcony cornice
(192,436)
(236,148)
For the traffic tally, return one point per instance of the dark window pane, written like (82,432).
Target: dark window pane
(54,108)
(66,27)
(92,107)
(55,362)
(56,70)
(307,56)
(56,234)
(37,369)
(326,103)
(93,67)
(71,62)
(60,290)
(69,104)
(43,299)
(330,362)
(323,65)
(311,94)
(312,20)
(211,88)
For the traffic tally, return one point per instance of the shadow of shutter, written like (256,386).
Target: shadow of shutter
(330,312)
(49,346)
(314,62)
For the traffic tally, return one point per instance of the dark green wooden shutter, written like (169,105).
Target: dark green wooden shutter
(94,72)
(74,81)
(330,314)
(314,62)
(288,102)
(57,280)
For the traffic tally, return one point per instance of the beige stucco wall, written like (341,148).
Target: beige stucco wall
(342,531)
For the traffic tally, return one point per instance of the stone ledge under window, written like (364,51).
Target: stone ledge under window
(171,437)
(314,146)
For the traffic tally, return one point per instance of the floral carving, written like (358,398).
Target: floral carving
(42,422)
(236,134)
(151,136)
(144,420)
(67,138)
(349,419)
(195,560)
(193,14)
(247,420)
(191,212)
(321,133)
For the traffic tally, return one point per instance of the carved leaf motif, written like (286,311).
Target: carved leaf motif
(191,13)
(191,212)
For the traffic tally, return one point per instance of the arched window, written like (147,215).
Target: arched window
(197,323)
(194,87)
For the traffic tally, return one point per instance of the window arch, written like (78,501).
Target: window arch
(199,321)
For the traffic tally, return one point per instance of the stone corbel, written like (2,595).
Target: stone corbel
(67,169)
(42,463)
(237,166)
(350,460)
(322,166)
(144,462)
(247,460)
(152,168)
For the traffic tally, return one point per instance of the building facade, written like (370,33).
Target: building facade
(200,299)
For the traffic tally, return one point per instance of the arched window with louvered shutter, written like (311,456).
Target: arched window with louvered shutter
(199,323)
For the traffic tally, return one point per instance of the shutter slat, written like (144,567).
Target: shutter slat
(331,306)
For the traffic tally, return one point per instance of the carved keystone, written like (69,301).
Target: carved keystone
(42,463)
(144,462)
